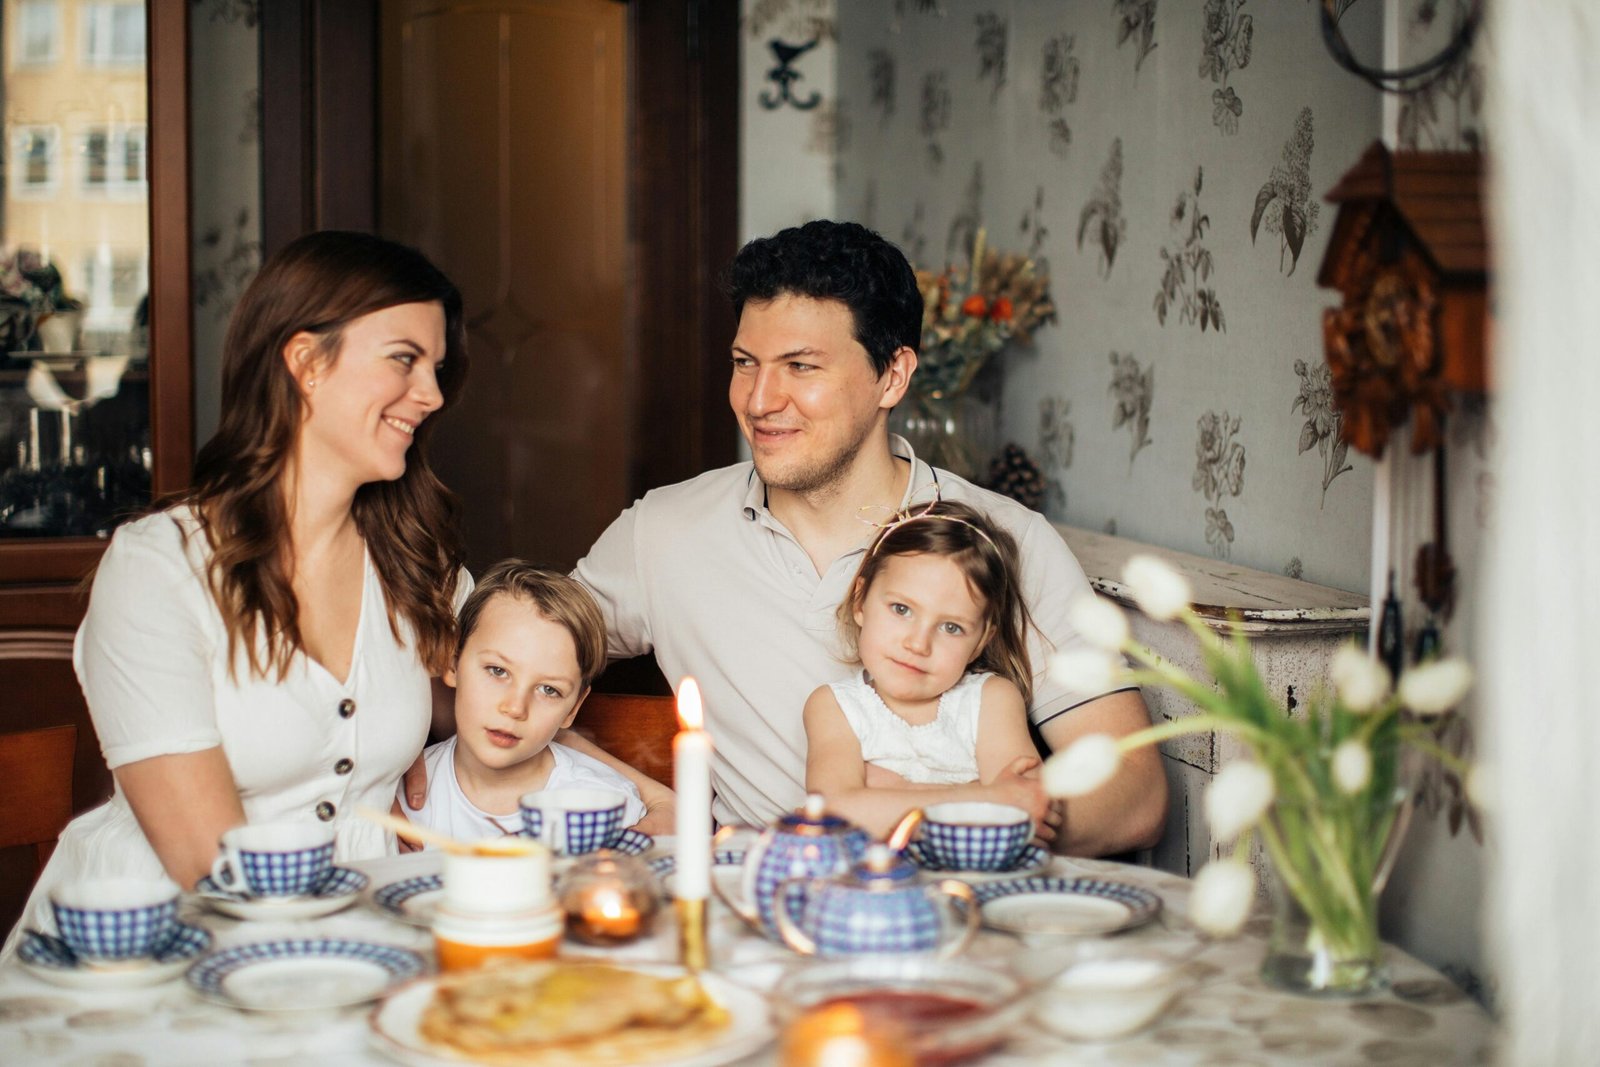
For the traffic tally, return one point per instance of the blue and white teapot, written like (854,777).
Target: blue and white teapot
(881,905)
(799,846)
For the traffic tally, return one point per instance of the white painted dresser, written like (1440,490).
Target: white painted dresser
(1294,627)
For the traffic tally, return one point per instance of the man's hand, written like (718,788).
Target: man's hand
(1018,785)
(660,818)
(416,783)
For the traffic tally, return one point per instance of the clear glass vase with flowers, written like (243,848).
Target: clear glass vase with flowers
(1326,791)
(970,312)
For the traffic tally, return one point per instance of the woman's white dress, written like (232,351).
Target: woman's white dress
(151,656)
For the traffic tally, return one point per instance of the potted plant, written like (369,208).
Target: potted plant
(1327,789)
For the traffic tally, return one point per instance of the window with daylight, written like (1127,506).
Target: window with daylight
(36,39)
(114,280)
(35,163)
(113,34)
(113,159)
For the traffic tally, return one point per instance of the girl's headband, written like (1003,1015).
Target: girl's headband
(913,513)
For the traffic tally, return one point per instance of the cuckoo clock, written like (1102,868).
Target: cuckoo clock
(1409,257)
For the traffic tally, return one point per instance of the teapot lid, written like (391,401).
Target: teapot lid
(813,820)
(881,867)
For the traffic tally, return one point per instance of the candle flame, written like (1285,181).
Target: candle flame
(690,713)
(611,906)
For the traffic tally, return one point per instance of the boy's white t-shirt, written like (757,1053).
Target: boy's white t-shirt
(448,810)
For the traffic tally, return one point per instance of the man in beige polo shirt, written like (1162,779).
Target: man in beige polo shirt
(734,577)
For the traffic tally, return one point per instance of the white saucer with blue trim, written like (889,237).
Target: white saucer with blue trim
(300,973)
(51,959)
(1033,860)
(1065,906)
(341,888)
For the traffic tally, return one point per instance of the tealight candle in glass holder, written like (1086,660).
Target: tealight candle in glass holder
(608,898)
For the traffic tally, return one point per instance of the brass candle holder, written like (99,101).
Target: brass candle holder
(694,951)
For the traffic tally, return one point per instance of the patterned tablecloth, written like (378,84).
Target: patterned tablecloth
(1227,1017)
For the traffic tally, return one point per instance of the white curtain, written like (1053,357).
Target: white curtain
(1541,618)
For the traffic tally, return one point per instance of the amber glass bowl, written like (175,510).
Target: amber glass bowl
(940,1011)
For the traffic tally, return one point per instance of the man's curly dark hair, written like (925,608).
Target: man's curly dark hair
(841,261)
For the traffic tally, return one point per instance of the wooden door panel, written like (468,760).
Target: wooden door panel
(504,134)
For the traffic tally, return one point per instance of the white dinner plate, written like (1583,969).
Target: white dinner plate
(1068,906)
(341,889)
(300,973)
(396,1025)
(51,959)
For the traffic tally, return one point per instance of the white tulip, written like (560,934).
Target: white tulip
(1161,592)
(1238,797)
(1434,688)
(1224,891)
(1099,622)
(1084,670)
(1352,766)
(1480,786)
(1082,767)
(1359,679)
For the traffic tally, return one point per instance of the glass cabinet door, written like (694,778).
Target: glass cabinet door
(76,452)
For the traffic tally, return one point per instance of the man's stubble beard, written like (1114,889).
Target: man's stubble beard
(822,476)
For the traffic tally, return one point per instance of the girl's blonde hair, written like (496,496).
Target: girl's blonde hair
(987,556)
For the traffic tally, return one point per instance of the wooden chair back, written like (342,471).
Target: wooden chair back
(36,788)
(41,690)
(636,729)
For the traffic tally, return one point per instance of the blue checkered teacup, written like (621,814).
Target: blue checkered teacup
(571,822)
(283,859)
(975,835)
(114,919)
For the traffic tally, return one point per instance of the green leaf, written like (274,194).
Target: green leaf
(1267,194)
(1294,232)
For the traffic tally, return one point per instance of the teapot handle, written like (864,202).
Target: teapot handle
(962,892)
(788,929)
(903,830)
(739,907)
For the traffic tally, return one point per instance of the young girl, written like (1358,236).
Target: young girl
(530,643)
(938,624)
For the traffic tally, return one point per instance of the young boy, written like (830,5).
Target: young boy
(531,643)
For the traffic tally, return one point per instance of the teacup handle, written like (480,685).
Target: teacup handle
(740,908)
(225,872)
(962,892)
(788,929)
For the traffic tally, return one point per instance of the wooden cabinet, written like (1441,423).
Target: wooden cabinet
(42,575)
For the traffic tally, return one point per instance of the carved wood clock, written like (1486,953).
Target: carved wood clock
(1409,256)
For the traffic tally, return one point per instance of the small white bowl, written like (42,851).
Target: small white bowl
(1110,994)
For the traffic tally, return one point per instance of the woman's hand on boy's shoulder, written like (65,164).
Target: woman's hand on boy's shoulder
(406,843)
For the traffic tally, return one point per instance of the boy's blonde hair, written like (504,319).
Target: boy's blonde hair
(562,600)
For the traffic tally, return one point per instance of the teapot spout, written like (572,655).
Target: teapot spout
(901,835)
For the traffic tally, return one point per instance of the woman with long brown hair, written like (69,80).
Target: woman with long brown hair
(261,648)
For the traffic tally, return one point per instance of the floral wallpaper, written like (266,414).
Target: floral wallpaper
(1166,160)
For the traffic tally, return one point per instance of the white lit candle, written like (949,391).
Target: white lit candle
(691,768)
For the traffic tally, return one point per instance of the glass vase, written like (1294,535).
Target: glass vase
(1325,882)
(954,433)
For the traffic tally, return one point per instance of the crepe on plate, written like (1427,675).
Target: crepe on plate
(554,1013)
